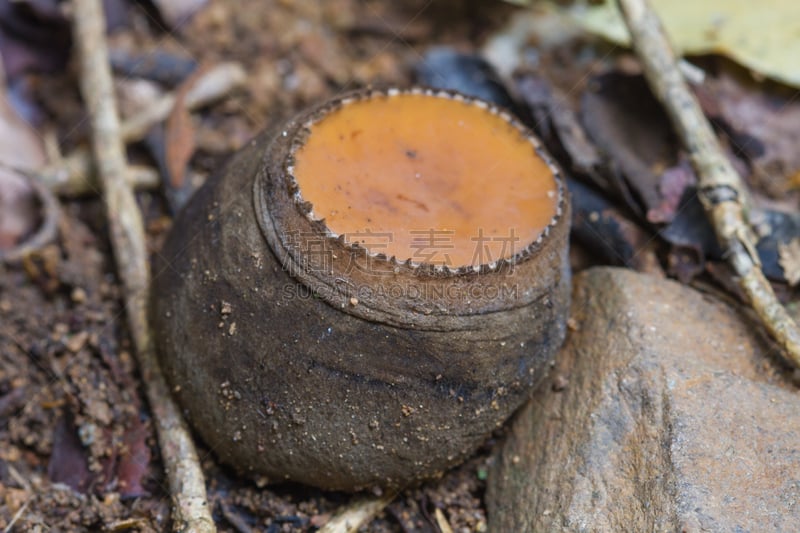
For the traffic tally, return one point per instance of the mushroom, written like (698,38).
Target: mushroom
(367,290)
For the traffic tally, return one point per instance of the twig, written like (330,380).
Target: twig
(74,175)
(358,513)
(26,486)
(18,515)
(210,86)
(720,188)
(441,521)
(19,478)
(183,470)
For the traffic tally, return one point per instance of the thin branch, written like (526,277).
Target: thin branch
(74,174)
(211,85)
(18,514)
(183,470)
(358,513)
(441,521)
(720,188)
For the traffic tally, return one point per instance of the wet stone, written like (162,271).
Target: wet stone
(666,413)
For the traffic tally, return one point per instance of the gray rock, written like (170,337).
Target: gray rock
(667,412)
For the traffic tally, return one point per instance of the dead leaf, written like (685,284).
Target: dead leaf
(691,238)
(789,259)
(761,36)
(611,236)
(133,460)
(179,134)
(557,124)
(20,147)
(18,209)
(68,462)
(177,12)
(160,66)
(763,125)
(629,126)
(672,185)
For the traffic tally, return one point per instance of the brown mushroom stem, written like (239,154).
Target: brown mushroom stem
(127,237)
(720,188)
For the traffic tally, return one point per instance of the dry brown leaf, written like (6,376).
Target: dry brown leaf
(763,124)
(180,134)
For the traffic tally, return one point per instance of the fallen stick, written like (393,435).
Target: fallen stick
(74,174)
(186,483)
(357,513)
(210,86)
(720,188)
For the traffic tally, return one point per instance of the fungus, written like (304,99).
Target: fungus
(438,180)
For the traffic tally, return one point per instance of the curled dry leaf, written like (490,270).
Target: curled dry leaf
(179,138)
(629,126)
(178,144)
(625,146)
(654,176)
(557,124)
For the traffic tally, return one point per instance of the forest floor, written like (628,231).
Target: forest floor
(78,450)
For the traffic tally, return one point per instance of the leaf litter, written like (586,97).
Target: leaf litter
(66,349)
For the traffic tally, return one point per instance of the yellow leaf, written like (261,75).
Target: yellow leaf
(763,36)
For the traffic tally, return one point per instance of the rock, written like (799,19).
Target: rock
(666,412)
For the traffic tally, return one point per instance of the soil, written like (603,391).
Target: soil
(77,446)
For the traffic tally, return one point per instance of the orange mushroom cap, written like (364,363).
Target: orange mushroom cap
(428,177)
